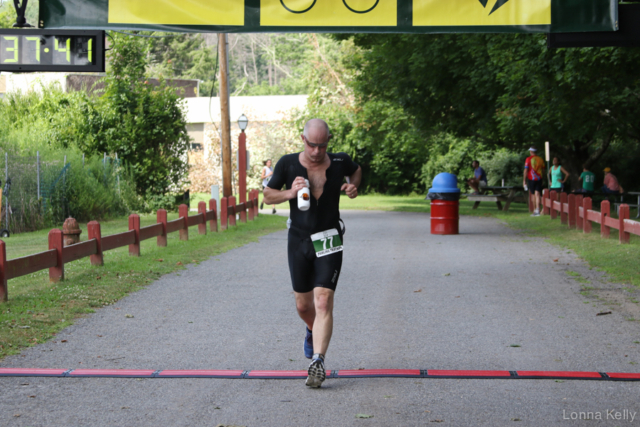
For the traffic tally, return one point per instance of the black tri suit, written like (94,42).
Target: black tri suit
(307,270)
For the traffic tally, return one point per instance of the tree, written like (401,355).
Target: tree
(508,90)
(581,100)
(144,125)
(378,134)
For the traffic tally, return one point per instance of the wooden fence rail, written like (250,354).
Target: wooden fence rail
(576,212)
(57,255)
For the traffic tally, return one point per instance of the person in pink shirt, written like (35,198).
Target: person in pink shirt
(611,185)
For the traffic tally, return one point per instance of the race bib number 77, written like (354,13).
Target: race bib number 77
(326,242)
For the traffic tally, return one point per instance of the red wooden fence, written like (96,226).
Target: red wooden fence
(575,212)
(57,255)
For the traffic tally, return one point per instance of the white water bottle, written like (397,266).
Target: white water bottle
(304,197)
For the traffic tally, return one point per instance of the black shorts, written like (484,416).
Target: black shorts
(307,270)
(535,186)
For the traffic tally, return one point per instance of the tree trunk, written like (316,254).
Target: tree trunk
(253,57)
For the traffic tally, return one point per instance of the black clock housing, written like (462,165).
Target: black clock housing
(52,50)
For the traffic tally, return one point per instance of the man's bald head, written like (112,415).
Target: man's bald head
(317,131)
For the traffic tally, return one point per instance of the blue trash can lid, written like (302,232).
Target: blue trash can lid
(445,183)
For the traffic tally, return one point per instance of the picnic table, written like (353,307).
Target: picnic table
(499,195)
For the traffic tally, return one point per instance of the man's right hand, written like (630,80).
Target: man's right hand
(297,185)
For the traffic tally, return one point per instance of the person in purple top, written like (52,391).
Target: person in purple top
(479,179)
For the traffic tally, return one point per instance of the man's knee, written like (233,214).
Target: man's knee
(304,302)
(304,307)
(323,300)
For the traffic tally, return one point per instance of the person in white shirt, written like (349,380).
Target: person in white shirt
(267,171)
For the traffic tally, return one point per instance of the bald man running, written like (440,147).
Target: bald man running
(315,236)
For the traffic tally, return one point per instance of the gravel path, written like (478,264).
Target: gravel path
(406,299)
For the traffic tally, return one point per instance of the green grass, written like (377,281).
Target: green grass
(196,198)
(38,309)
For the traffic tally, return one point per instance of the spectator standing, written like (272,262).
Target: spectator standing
(533,170)
(588,179)
(611,185)
(479,179)
(555,172)
(267,171)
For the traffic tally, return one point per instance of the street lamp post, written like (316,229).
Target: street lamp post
(242,159)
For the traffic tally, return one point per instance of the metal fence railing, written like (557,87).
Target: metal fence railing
(35,189)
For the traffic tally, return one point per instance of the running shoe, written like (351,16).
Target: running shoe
(535,213)
(274,211)
(316,373)
(308,345)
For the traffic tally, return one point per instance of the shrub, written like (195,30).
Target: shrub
(452,155)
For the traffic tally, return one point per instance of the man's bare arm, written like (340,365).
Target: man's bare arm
(356,177)
(353,183)
(274,197)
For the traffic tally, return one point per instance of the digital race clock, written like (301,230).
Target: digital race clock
(51,50)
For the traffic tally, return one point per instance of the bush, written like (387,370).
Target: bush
(93,191)
(503,164)
(452,155)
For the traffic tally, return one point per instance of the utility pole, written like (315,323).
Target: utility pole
(225,123)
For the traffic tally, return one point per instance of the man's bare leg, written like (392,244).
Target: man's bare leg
(323,324)
(322,330)
(306,308)
(474,184)
(537,197)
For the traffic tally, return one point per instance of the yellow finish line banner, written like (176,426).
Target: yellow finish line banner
(483,12)
(329,13)
(177,12)
(340,16)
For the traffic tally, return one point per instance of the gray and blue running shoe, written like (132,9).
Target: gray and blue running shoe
(316,373)
(308,345)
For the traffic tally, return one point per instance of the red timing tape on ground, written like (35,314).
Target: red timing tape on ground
(357,373)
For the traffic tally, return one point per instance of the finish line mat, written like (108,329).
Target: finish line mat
(345,373)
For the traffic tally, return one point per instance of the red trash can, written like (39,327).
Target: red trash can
(444,196)
(444,216)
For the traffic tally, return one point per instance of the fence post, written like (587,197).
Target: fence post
(623,214)
(4,292)
(563,214)
(257,203)
(93,228)
(571,201)
(579,199)
(250,207)
(134,224)
(213,224)
(545,197)
(232,218)
(202,210)
(553,196)
(183,212)
(243,213)
(56,273)
(161,216)
(605,211)
(224,216)
(586,207)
